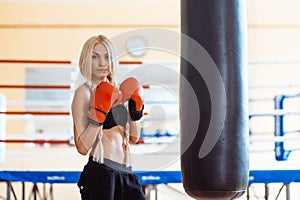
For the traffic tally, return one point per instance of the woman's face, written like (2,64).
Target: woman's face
(100,64)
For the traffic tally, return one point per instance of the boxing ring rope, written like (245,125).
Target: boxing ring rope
(64,62)
(45,86)
(36,141)
(34,113)
(36,86)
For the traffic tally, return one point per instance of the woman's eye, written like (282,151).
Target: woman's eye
(95,57)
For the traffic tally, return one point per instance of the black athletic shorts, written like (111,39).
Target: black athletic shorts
(109,181)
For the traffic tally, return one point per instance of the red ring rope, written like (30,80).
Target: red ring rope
(37,86)
(37,141)
(130,62)
(45,86)
(59,62)
(34,113)
(36,61)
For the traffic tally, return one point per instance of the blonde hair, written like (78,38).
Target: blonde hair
(85,60)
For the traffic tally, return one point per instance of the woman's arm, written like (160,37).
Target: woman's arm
(84,133)
(134,131)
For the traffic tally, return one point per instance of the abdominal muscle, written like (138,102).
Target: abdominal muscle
(113,144)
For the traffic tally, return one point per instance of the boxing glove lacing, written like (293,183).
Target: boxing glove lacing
(127,150)
(98,155)
(99,150)
(126,138)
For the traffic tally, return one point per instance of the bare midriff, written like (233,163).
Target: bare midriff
(113,144)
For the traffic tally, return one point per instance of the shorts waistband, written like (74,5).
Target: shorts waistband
(114,165)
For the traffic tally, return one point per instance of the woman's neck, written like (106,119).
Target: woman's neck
(97,81)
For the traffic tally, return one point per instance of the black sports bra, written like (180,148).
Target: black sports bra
(116,116)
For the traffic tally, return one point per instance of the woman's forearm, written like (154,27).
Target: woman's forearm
(134,131)
(86,139)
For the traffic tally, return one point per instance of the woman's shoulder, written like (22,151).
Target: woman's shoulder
(82,91)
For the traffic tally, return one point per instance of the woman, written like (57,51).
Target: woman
(103,127)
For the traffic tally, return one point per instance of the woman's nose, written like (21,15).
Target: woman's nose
(102,62)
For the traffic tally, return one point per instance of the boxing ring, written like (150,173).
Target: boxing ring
(43,178)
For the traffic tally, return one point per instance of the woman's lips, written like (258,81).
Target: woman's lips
(102,70)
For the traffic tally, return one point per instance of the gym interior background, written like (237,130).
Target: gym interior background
(56,30)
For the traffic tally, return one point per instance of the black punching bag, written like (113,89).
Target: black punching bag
(214,99)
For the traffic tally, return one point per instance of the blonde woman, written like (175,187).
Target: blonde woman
(103,125)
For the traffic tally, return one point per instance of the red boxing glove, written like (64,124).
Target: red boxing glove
(104,97)
(133,91)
